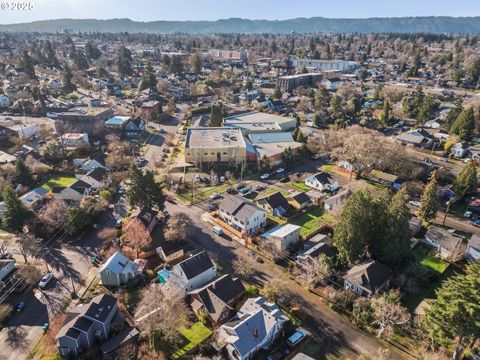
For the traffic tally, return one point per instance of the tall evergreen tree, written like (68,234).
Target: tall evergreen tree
(216,116)
(429,201)
(143,189)
(466,181)
(354,230)
(27,65)
(277,94)
(464,125)
(395,244)
(14,213)
(124,61)
(68,85)
(455,313)
(22,173)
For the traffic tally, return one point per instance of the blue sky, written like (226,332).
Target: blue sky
(147,10)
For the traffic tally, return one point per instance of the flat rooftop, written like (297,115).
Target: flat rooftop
(85,111)
(257,117)
(214,138)
(255,126)
(298,76)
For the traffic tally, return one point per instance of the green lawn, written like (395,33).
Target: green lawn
(194,335)
(270,190)
(424,257)
(204,193)
(300,186)
(311,348)
(328,167)
(311,220)
(58,181)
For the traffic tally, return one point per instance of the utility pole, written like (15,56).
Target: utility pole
(449,202)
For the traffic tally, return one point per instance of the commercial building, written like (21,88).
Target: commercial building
(84,119)
(258,120)
(290,82)
(325,65)
(214,145)
(272,146)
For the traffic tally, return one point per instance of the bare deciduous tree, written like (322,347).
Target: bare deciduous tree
(315,270)
(243,268)
(274,290)
(179,227)
(55,214)
(388,313)
(160,315)
(28,245)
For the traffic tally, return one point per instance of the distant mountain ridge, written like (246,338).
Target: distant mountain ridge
(430,24)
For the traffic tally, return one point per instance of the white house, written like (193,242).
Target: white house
(74,192)
(73,140)
(322,181)
(117,270)
(91,164)
(255,327)
(242,215)
(6,267)
(433,124)
(33,197)
(459,150)
(473,251)
(190,274)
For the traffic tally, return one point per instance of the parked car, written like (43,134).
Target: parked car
(239,186)
(265,176)
(297,337)
(280,170)
(468,214)
(258,187)
(215,196)
(212,206)
(229,190)
(222,179)
(118,224)
(45,280)
(217,230)
(414,203)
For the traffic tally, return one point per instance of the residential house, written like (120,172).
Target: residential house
(417,138)
(6,268)
(217,298)
(368,279)
(87,324)
(415,225)
(331,84)
(433,124)
(473,250)
(74,140)
(7,158)
(255,327)
(74,192)
(242,214)
(4,101)
(151,108)
(97,178)
(135,128)
(171,251)
(34,197)
(140,224)
(459,150)
(92,163)
(283,236)
(112,347)
(322,181)
(447,244)
(314,248)
(336,201)
(117,270)
(275,204)
(384,178)
(299,201)
(84,119)
(190,274)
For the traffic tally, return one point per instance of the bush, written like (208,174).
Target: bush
(252,291)
(107,195)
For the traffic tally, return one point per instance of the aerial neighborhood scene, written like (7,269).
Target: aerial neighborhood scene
(239,180)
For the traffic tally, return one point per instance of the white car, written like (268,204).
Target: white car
(279,171)
(222,179)
(45,280)
(265,176)
(414,203)
(468,214)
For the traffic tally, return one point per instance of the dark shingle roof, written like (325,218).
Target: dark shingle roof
(276,200)
(83,324)
(324,177)
(301,197)
(196,265)
(369,276)
(101,307)
(97,173)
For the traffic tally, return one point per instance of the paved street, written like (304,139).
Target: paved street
(336,334)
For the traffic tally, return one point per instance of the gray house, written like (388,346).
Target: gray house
(86,324)
(367,279)
(117,270)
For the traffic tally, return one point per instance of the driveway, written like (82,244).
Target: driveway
(338,336)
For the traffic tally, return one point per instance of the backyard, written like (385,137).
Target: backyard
(425,257)
(311,220)
(203,193)
(194,335)
(58,181)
